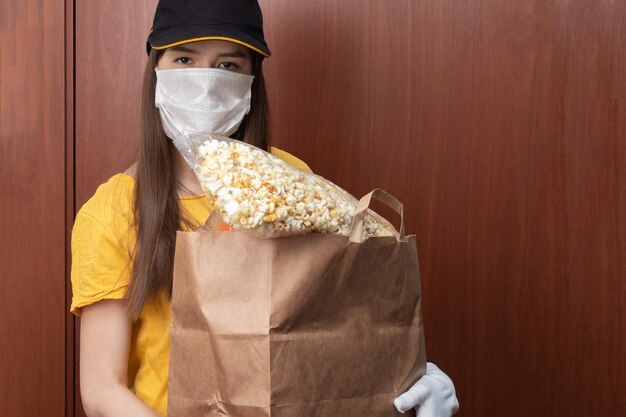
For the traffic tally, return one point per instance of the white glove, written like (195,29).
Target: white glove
(433,393)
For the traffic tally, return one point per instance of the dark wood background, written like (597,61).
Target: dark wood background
(33,309)
(499,124)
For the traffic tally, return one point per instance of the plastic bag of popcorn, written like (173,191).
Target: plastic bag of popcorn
(253,189)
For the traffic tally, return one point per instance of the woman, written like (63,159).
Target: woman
(123,237)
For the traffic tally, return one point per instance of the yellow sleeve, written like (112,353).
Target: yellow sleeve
(290,159)
(102,241)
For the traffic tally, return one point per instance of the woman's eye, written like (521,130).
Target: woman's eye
(183,60)
(227,65)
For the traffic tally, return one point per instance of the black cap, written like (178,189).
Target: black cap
(182,21)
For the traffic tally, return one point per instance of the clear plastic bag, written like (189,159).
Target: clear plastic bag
(253,189)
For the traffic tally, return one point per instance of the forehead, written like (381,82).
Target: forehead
(211,47)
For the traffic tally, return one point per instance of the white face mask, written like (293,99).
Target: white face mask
(194,102)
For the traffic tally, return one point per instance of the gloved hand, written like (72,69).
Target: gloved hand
(433,393)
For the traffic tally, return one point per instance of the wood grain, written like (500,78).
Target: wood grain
(72,389)
(32,208)
(501,127)
(110,57)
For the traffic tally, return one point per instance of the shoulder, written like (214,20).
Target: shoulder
(114,195)
(290,159)
(110,209)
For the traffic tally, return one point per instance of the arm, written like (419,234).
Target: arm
(105,330)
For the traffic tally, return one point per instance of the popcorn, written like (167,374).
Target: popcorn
(252,189)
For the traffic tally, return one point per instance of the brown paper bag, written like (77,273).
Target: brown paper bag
(312,325)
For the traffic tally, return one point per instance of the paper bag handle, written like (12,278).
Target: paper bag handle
(356,230)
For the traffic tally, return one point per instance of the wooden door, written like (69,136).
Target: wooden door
(499,124)
(35,201)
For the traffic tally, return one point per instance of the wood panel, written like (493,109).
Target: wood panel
(71,382)
(110,58)
(501,127)
(32,208)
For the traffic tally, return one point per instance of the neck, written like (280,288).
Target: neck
(189,185)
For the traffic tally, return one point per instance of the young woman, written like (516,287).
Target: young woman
(123,237)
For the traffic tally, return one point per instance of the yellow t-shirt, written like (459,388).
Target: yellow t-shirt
(102,241)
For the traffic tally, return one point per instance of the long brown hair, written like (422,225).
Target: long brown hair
(157,215)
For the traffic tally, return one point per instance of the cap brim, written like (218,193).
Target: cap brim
(195,33)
